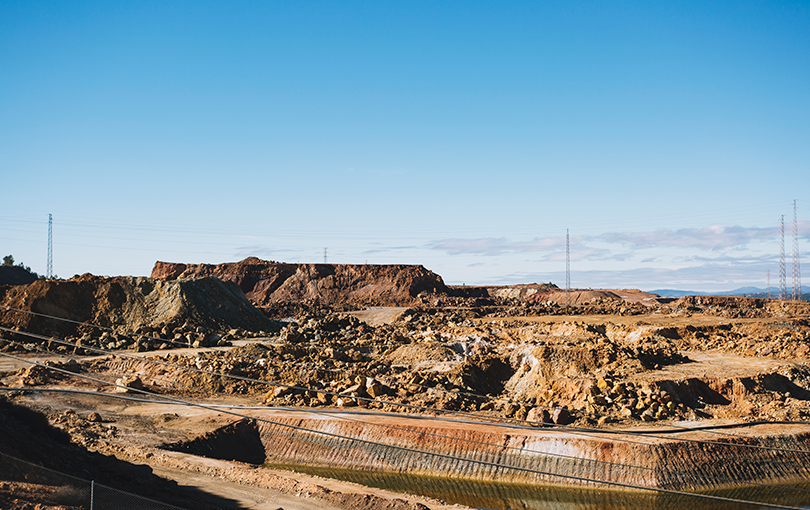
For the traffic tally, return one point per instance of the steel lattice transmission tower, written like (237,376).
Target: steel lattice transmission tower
(49,268)
(769,284)
(567,270)
(782,275)
(797,273)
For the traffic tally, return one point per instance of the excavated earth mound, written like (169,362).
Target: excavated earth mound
(576,297)
(266,282)
(130,304)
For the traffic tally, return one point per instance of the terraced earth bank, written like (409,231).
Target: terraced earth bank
(267,283)
(522,364)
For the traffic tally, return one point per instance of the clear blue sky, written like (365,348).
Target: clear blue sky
(464,136)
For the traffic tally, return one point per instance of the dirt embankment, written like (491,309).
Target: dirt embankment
(132,307)
(27,435)
(269,284)
(266,283)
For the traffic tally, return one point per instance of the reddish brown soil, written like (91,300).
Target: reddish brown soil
(266,282)
(29,496)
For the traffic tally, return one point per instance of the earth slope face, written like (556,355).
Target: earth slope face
(129,303)
(266,282)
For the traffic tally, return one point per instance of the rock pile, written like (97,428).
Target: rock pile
(499,361)
(606,398)
(138,313)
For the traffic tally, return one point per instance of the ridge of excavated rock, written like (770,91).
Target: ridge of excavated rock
(267,282)
(129,303)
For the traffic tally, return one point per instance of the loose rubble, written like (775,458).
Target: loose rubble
(524,356)
(472,361)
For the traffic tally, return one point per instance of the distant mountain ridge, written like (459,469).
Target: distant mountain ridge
(742,291)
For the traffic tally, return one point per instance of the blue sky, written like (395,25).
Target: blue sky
(464,136)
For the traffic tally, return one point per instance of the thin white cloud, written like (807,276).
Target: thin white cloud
(743,258)
(581,253)
(702,277)
(496,246)
(262,252)
(715,237)
(711,238)
(388,249)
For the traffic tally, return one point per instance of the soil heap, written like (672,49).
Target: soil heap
(130,306)
(266,283)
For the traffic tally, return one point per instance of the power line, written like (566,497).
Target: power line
(290,363)
(769,284)
(573,430)
(58,478)
(342,415)
(492,420)
(507,423)
(497,465)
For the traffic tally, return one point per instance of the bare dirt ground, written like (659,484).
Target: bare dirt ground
(606,364)
(140,429)
(379,315)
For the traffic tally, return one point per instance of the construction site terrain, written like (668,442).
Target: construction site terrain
(206,385)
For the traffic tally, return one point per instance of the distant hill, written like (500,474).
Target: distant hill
(16,275)
(742,291)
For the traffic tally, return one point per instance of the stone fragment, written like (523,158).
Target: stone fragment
(129,383)
(538,415)
(603,383)
(280,391)
(561,416)
(489,405)
(345,402)
(375,389)
(647,415)
(356,390)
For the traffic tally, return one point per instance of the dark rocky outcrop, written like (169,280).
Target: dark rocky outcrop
(238,441)
(16,275)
